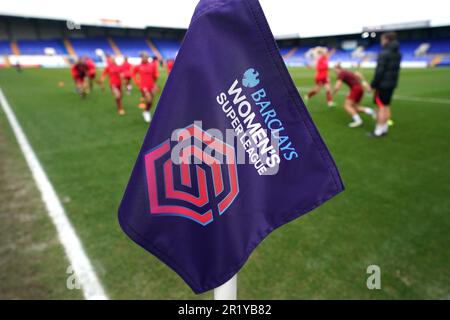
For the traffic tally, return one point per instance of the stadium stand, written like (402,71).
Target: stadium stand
(131,47)
(285,50)
(293,55)
(439,46)
(343,55)
(5,47)
(31,38)
(408,49)
(298,57)
(168,48)
(32,47)
(88,47)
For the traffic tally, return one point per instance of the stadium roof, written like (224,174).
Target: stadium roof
(286,17)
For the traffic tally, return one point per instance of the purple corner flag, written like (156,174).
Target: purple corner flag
(231,154)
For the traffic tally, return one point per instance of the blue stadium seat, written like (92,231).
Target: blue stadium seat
(445,62)
(343,56)
(5,47)
(33,47)
(439,46)
(408,49)
(285,50)
(167,48)
(132,47)
(87,47)
(298,57)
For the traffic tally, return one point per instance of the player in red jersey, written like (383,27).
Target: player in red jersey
(114,72)
(322,79)
(169,65)
(127,73)
(79,72)
(145,76)
(108,59)
(91,73)
(156,62)
(356,82)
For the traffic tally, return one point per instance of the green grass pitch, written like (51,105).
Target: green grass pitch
(395,211)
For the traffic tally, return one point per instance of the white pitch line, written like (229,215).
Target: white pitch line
(419,99)
(401,97)
(84,272)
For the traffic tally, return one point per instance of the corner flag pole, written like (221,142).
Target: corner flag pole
(227,291)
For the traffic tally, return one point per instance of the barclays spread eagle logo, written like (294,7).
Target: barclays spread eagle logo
(250,79)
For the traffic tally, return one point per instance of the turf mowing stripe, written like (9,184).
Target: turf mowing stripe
(400,97)
(90,284)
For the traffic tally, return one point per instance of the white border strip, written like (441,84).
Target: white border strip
(84,272)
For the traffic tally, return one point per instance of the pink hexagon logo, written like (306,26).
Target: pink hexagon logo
(203,180)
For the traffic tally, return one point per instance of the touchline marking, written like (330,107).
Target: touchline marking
(400,97)
(84,272)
